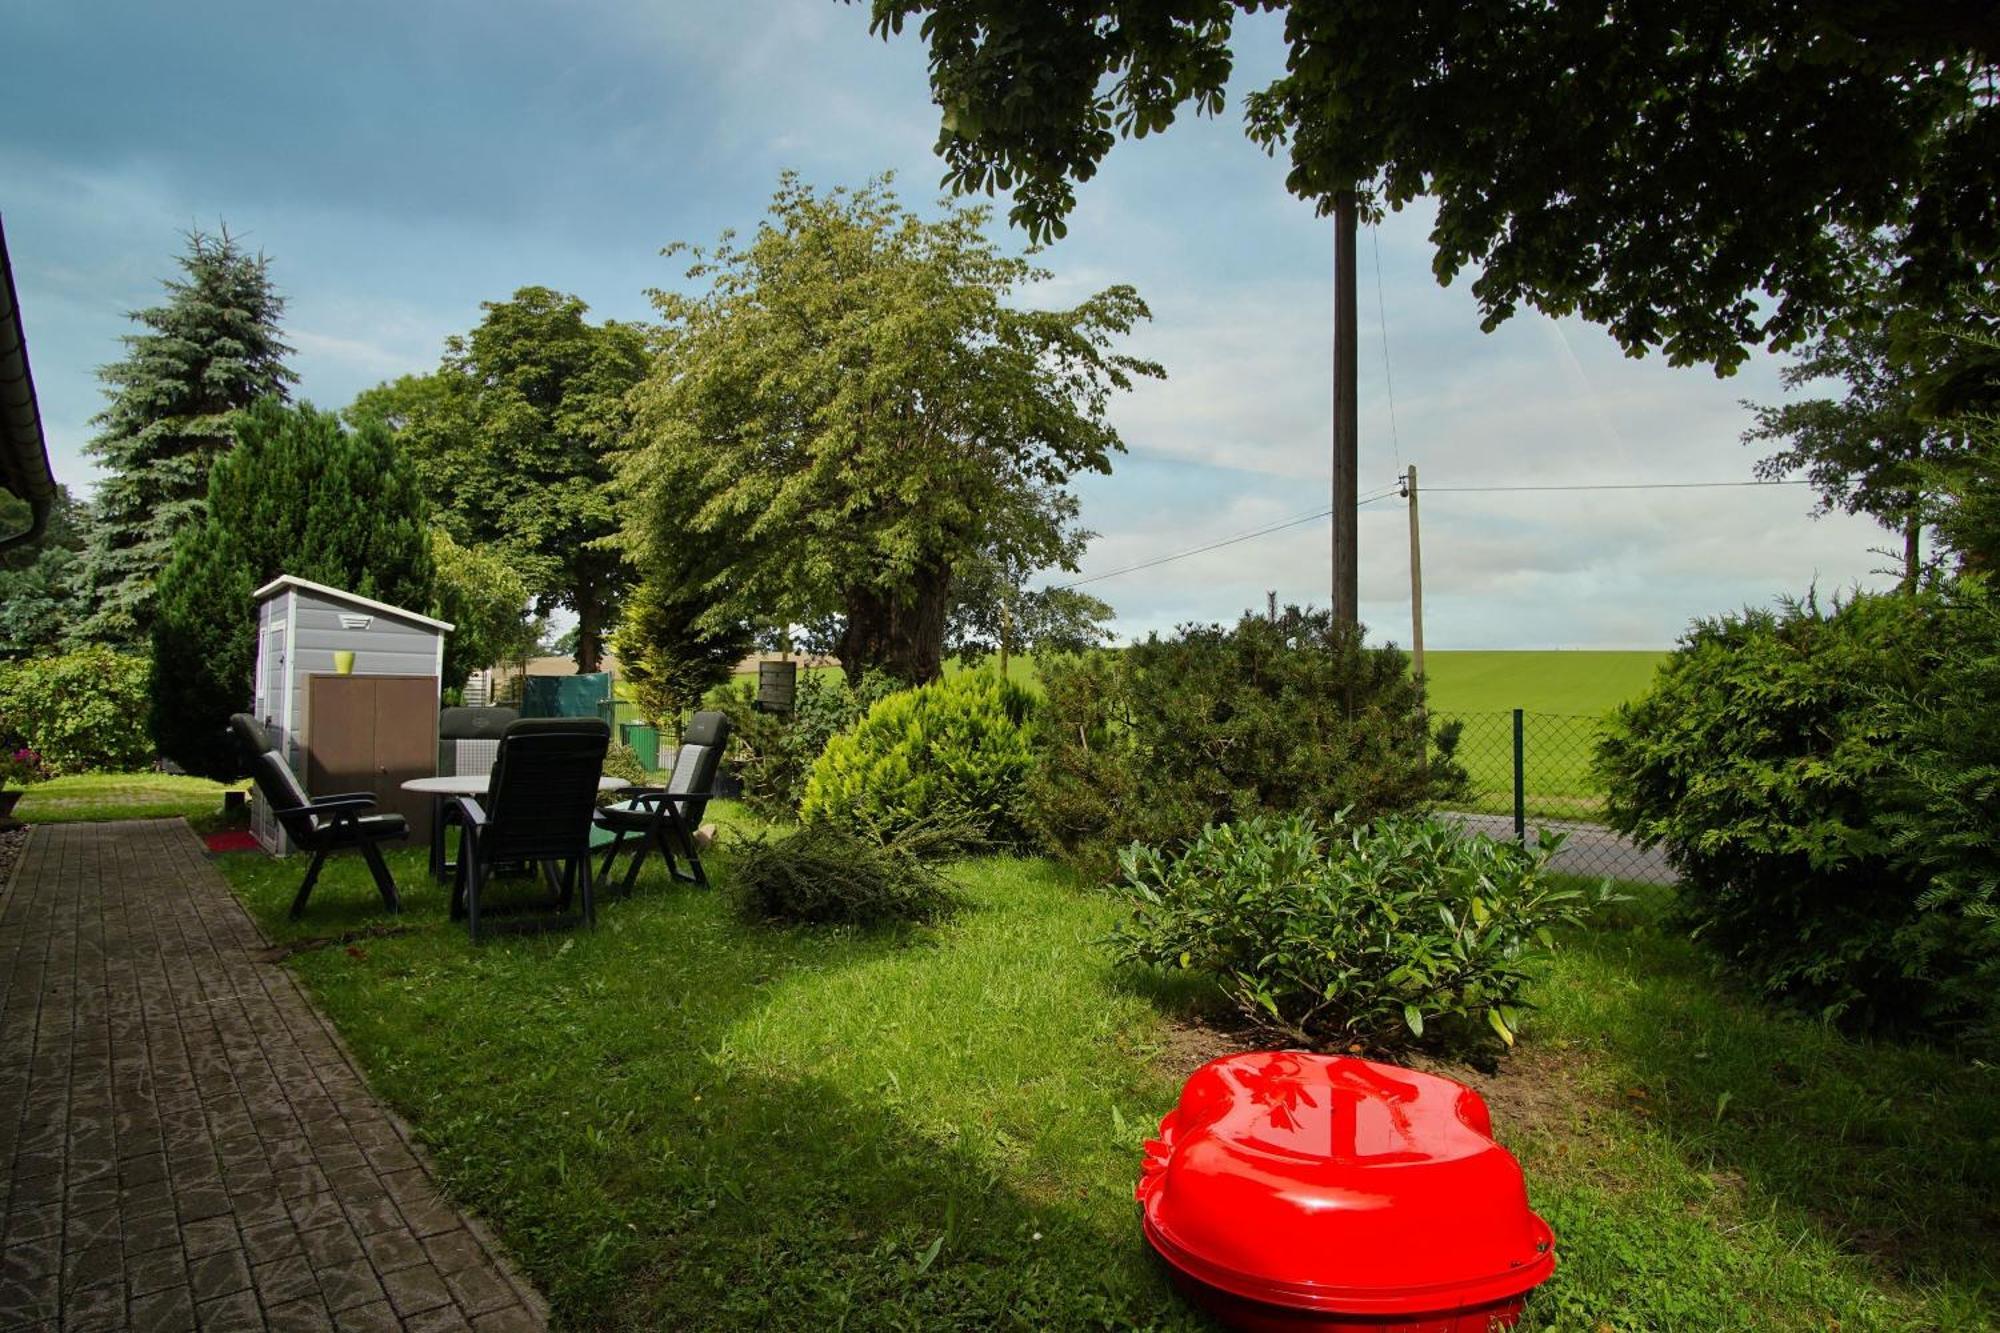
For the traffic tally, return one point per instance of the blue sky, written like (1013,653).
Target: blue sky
(401,163)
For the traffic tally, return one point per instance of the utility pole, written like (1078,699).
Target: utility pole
(1346,427)
(1271,606)
(1416,580)
(1006,629)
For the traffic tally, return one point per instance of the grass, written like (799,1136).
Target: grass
(1570,683)
(96,796)
(680,1121)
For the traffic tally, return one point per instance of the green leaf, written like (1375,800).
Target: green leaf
(1499,1025)
(1415,1018)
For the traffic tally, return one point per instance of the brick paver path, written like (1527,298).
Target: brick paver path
(186,1143)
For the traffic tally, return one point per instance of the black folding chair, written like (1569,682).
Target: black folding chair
(665,818)
(537,811)
(323,826)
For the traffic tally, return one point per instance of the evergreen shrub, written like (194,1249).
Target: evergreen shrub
(1823,782)
(956,751)
(1154,742)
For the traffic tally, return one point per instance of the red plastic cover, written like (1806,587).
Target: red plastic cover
(1336,1184)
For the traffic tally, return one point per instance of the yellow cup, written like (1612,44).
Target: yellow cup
(343,661)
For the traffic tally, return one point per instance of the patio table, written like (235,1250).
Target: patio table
(443,789)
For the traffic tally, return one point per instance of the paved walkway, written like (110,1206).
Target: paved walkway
(186,1143)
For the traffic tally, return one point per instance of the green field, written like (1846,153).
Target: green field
(1568,683)
(1562,694)
(90,796)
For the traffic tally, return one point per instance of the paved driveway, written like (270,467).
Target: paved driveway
(187,1143)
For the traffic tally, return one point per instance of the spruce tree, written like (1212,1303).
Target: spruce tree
(298,495)
(211,351)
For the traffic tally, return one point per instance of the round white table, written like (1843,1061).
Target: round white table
(442,789)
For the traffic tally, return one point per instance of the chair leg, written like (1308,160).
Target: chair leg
(306,887)
(474,873)
(582,865)
(385,883)
(632,870)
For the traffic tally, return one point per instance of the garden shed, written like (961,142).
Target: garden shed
(348,688)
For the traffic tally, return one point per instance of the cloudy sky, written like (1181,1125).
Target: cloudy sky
(401,163)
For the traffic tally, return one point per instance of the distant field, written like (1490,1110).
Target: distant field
(1571,683)
(1562,694)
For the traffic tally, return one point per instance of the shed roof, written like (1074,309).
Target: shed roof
(291,581)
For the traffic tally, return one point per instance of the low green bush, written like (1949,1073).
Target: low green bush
(954,752)
(622,761)
(820,874)
(82,712)
(1154,742)
(1337,933)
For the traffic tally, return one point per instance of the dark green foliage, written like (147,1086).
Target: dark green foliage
(43,601)
(1805,775)
(83,712)
(669,654)
(822,874)
(1153,742)
(773,752)
(1690,176)
(954,752)
(211,351)
(299,495)
(1941,825)
(1335,933)
(513,438)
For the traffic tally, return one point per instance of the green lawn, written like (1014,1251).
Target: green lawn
(93,796)
(678,1121)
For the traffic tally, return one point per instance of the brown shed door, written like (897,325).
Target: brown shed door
(373,733)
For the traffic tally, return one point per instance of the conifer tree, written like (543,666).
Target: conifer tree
(209,352)
(298,495)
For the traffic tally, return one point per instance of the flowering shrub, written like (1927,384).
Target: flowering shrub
(21,767)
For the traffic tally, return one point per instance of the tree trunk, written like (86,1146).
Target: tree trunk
(589,633)
(902,635)
(1913,532)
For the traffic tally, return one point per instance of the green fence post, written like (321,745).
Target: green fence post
(1520,785)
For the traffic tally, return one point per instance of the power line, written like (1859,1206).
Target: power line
(1616,486)
(1382,316)
(1316,515)
(1395,490)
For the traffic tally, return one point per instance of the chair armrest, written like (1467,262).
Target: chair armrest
(471,811)
(333,805)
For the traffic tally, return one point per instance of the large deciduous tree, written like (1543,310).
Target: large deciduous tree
(1687,174)
(1874,450)
(298,495)
(514,436)
(486,600)
(855,410)
(211,351)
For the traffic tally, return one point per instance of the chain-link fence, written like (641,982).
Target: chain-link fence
(1532,771)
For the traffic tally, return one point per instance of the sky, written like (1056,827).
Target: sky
(400,163)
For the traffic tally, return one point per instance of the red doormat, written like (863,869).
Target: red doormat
(232,840)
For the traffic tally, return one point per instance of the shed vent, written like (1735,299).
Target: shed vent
(351,621)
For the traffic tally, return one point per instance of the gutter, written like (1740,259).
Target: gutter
(24,454)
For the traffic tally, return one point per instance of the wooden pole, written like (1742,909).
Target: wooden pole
(1006,630)
(1271,606)
(1416,581)
(1346,428)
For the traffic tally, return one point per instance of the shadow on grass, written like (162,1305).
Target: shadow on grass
(1890,1151)
(587,1093)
